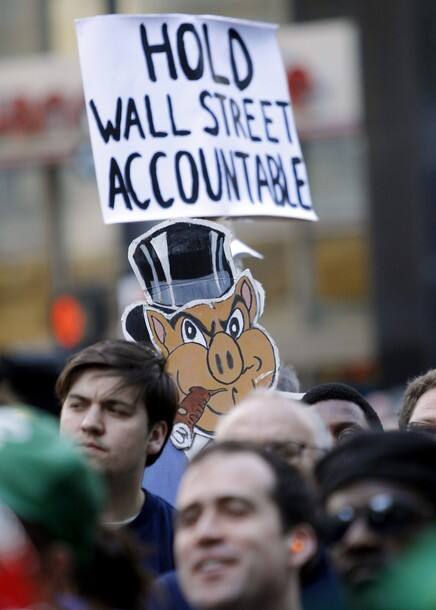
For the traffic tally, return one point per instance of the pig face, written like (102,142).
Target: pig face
(216,353)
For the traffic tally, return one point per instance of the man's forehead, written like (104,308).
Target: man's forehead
(95,381)
(271,427)
(219,475)
(262,421)
(426,405)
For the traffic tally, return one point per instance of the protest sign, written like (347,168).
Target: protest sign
(203,315)
(190,116)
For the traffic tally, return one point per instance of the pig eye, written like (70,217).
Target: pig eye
(235,324)
(192,334)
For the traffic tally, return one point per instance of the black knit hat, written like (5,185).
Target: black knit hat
(405,458)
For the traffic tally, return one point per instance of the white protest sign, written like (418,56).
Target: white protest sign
(190,116)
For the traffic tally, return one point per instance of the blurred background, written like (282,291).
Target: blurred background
(350,298)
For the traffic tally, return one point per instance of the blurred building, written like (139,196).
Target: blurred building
(340,293)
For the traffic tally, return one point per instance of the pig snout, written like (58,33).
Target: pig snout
(224,359)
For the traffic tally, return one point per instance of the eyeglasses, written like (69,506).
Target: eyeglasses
(384,514)
(289,450)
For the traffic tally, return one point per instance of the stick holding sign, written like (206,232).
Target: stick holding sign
(179,129)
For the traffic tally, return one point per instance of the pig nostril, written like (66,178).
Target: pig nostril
(219,365)
(229,358)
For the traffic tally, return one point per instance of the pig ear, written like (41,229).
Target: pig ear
(159,329)
(247,291)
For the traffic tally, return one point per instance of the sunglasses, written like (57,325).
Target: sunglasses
(289,450)
(384,514)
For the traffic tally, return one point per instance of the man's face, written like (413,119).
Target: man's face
(342,418)
(281,429)
(230,547)
(374,522)
(107,423)
(424,414)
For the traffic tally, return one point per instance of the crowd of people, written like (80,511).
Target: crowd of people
(298,503)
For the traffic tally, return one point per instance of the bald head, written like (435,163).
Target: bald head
(271,418)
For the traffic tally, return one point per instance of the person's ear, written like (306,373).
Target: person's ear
(156,437)
(303,545)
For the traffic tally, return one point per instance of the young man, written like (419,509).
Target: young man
(118,405)
(244,530)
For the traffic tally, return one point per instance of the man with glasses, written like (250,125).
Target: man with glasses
(286,428)
(418,411)
(379,495)
(282,427)
(278,424)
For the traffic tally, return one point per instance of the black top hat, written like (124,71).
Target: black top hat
(182,261)
(177,262)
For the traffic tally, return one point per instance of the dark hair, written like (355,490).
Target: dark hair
(341,391)
(414,390)
(404,458)
(115,576)
(138,365)
(290,492)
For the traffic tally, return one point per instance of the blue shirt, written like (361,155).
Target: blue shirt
(163,477)
(153,528)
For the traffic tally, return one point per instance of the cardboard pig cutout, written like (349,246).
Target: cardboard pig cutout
(202,315)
